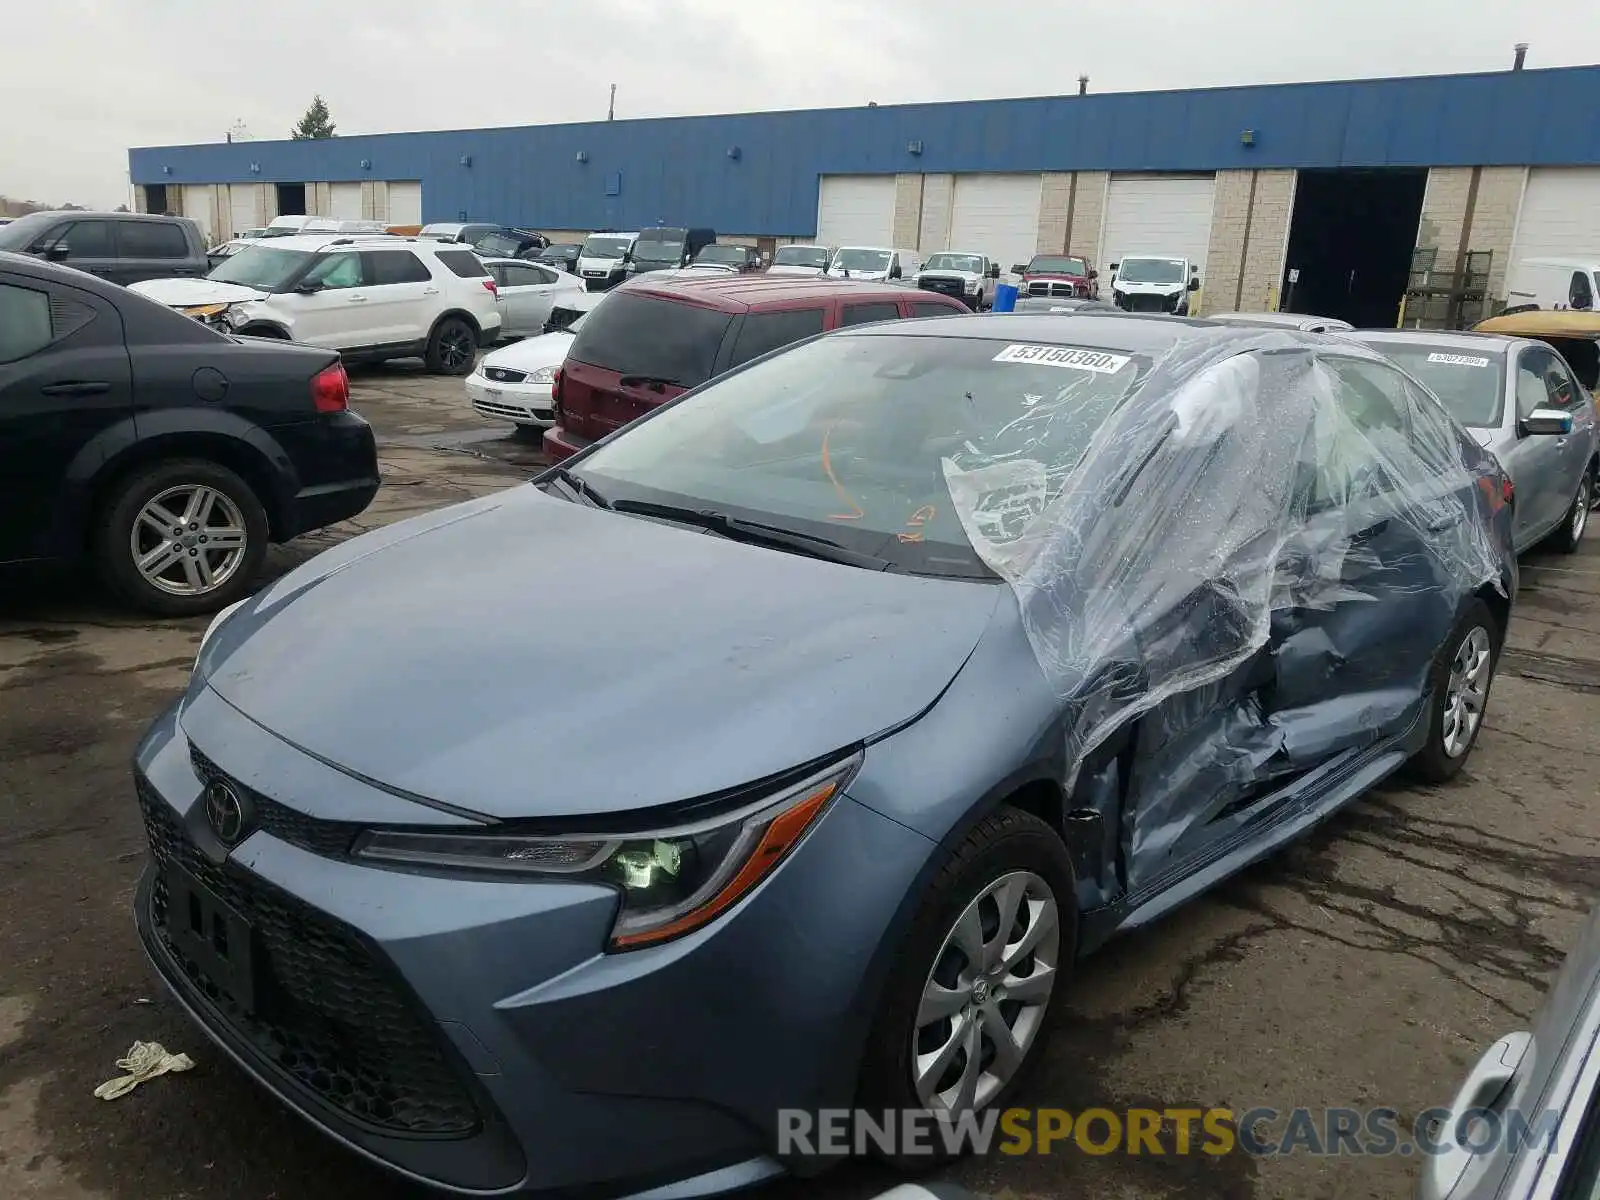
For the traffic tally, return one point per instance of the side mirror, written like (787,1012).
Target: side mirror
(309,288)
(994,270)
(1547,421)
(55,251)
(1019,268)
(894,271)
(1194,285)
(1114,267)
(1094,274)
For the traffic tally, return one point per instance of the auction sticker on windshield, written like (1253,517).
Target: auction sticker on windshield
(1459,360)
(1063,356)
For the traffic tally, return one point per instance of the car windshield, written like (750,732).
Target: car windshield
(606,247)
(659,248)
(1151,270)
(500,245)
(954,262)
(1057,265)
(721,254)
(20,234)
(265,268)
(852,259)
(853,439)
(1470,383)
(801,256)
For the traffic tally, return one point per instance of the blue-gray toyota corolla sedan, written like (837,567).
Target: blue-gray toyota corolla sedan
(784,750)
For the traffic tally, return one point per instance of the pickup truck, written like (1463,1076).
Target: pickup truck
(119,247)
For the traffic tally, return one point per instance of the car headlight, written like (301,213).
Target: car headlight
(543,375)
(201,312)
(972,287)
(672,881)
(216,623)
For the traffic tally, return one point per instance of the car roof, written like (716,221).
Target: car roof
(1133,333)
(738,293)
(1478,343)
(88,213)
(42,269)
(316,241)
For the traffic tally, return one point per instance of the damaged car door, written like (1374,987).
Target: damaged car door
(1363,598)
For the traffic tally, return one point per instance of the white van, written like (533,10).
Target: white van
(1555,283)
(603,261)
(874,263)
(291,226)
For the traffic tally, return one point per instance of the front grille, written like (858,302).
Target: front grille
(1148,303)
(945,287)
(328,1014)
(331,839)
(501,375)
(1053,287)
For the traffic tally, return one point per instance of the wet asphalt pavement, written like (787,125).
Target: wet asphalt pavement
(1367,965)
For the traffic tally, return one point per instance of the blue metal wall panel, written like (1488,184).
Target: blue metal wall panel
(678,171)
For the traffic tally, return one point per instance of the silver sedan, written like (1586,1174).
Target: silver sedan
(1526,1122)
(1520,400)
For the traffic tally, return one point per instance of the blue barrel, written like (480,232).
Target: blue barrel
(1005,297)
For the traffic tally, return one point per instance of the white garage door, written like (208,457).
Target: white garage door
(1560,215)
(197,200)
(344,202)
(997,215)
(405,202)
(242,208)
(1157,214)
(855,210)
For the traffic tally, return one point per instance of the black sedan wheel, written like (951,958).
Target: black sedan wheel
(182,537)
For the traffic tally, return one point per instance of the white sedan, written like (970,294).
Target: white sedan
(528,291)
(513,383)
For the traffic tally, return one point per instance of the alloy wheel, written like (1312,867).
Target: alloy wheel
(984,1001)
(1580,509)
(1467,692)
(188,540)
(455,348)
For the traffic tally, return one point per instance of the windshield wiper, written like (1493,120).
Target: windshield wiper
(651,381)
(755,532)
(581,486)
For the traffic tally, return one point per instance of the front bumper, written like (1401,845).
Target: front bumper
(471,1033)
(524,403)
(1153,302)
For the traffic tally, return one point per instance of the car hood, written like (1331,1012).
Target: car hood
(1148,289)
(546,350)
(966,276)
(794,269)
(1029,275)
(1484,437)
(186,293)
(522,656)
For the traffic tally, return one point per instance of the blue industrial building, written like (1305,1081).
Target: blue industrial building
(1503,163)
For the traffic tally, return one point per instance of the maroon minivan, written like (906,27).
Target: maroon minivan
(653,339)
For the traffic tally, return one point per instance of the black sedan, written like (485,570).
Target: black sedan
(164,452)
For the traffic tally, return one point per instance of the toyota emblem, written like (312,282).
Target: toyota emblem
(225,813)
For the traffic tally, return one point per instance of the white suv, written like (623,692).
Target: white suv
(370,298)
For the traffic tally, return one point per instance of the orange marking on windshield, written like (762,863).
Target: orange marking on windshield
(856,512)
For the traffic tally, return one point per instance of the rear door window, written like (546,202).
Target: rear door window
(395,266)
(463,263)
(151,239)
(649,336)
(766,331)
(864,314)
(932,310)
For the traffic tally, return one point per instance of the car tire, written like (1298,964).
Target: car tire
(452,347)
(222,505)
(1008,850)
(1460,682)
(1569,536)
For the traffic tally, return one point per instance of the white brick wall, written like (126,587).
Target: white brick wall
(907,210)
(1088,213)
(1240,277)
(1055,199)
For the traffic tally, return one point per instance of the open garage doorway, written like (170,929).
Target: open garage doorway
(291,199)
(1350,243)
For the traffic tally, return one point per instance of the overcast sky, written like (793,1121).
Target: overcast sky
(91,78)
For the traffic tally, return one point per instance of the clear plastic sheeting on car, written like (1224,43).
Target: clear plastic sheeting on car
(1236,484)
